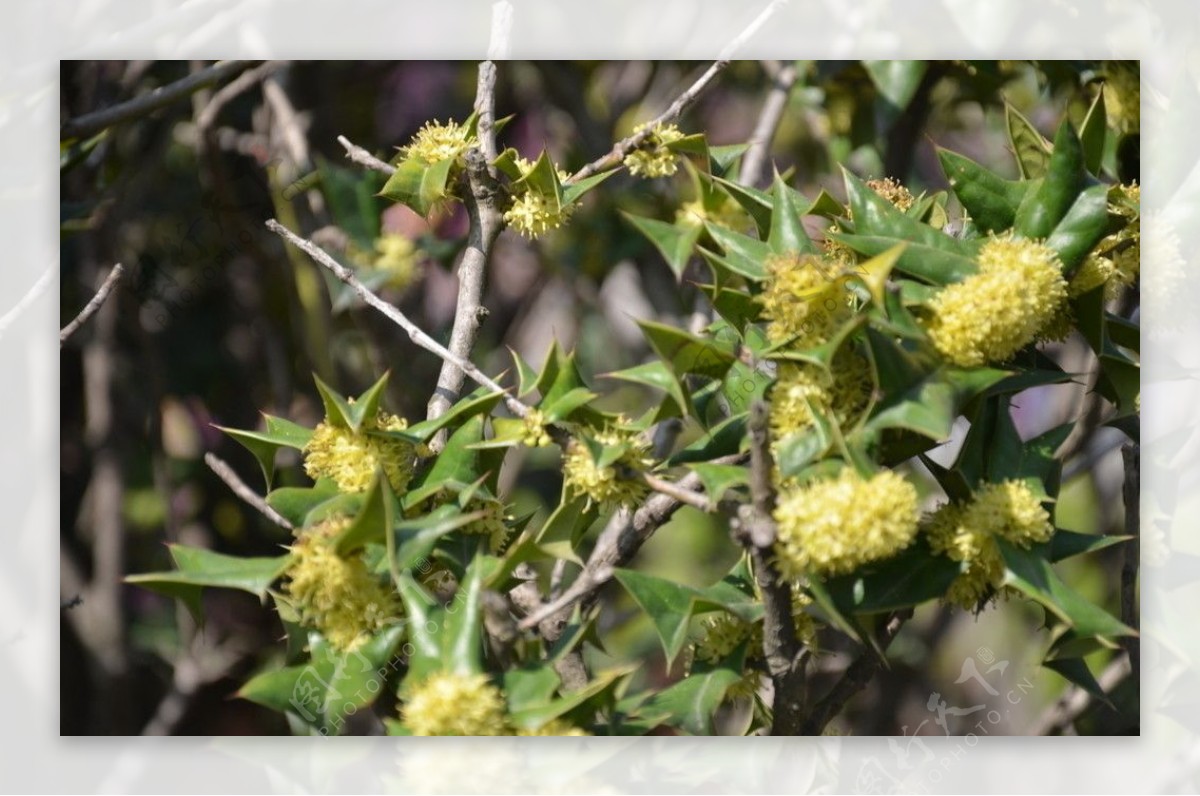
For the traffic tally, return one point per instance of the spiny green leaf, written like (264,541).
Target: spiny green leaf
(685,352)
(197,568)
(1031,149)
(656,374)
(419,185)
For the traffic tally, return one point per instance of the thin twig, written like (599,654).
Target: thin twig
(394,315)
(1132,492)
(624,535)
(768,123)
(856,677)
(364,158)
(483,211)
(89,310)
(91,123)
(632,142)
(1065,711)
(248,495)
(672,489)
(240,84)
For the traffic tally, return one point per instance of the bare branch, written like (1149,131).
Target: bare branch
(672,489)
(768,123)
(394,315)
(91,123)
(1132,492)
(242,83)
(1061,715)
(89,310)
(248,495)
(485,224)
(855,678)
(624,535)
(364,158)
(626,145)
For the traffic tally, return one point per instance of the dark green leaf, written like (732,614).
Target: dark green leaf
(787,227)
(723,440)
(912,577)
(990,200)
(529,686)
(744,254)
(669,606)
(656,374)
(1092,134)
(1082,228)
(719,478)
(691,702)
(456,465)
(279,433)
(686,353)
(1047,205)
(479,402)
(196,568)
(1032,575)
(294,503)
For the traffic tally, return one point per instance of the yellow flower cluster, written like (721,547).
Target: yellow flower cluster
(722,632)
(457,704)
(991,315)
(802,388)
(396,256)
(835,526)
(337,596)
(535,434)
(491,524)
(652,158)
(805,299)
(436,141)
(532,213)
(616,483)
(968,532)
(351,458)
(893,191)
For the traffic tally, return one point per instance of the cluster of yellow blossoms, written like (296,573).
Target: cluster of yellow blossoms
(338,596)
(351,458)
(456,704)
(968,531)
(613,484)
(802,388)
(653,158)
(535,434)
(436,142)
(532,213)
(834,526)
(991,315)
(805,299)
(893,191)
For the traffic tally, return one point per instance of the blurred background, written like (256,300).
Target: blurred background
(215,321)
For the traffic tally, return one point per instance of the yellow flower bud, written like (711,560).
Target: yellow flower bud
(436,141)
(652,158)
(614,484)
(805,297)
(350,458)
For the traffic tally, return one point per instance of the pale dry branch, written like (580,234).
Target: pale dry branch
(486,221)
(687,497)
(768,123)
(91,123)
(247,495)
(239,85)
(617,154)
(394,315)
(364,158)
(90,308)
